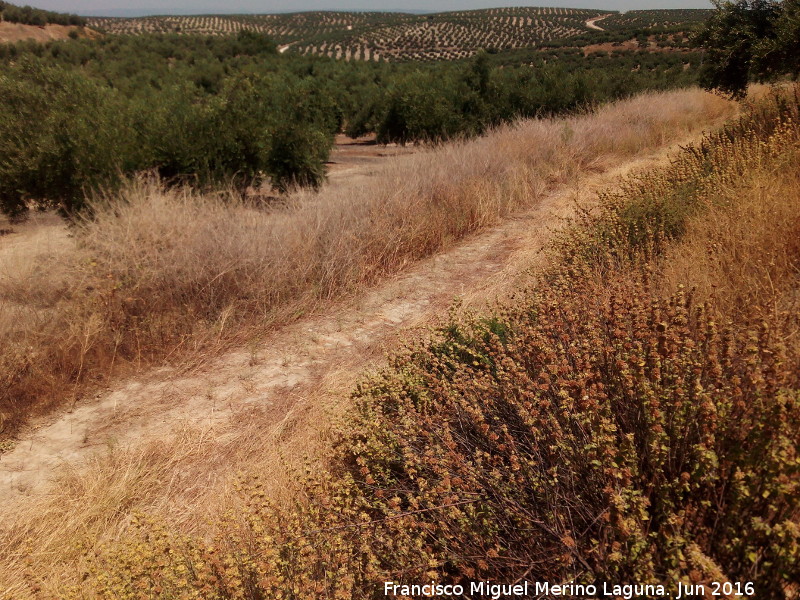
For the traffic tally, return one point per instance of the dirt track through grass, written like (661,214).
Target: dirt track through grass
(274,377)
(171,442)
(592,23)
(266,407)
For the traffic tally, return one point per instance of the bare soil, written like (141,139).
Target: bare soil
(592,23)
(16,32)
(359,156)
(632,45)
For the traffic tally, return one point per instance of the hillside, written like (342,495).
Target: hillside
(452,35)
(447,35)
(18,23)
(283,28)
(355,269)
(27,15)
(673,19)
(17,32)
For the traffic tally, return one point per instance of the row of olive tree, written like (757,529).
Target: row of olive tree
(63,134)
(27,15)
(470,97)
(84,114)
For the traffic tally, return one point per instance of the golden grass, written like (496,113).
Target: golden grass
(745,251)
(162,273)
(740,245)
(166,273)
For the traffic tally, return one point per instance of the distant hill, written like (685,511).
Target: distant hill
(27,15)
(18,23)
(403,36)
(679,18)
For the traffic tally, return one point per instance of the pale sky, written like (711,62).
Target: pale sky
(165,7)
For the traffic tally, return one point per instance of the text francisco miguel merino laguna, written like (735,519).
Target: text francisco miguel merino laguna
(534,589)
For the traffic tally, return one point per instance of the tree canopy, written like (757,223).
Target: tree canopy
(750,40)
(27,15)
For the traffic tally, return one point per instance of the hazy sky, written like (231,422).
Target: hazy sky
(138,7)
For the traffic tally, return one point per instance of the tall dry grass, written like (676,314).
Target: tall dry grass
(745,253)
(609,404)
(158,273)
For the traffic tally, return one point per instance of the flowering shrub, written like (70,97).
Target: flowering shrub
(604,436)
(652,208)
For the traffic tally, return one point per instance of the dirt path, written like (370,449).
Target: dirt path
(592,23)
(269,387)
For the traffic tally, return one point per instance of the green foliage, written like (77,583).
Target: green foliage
(216,111)
(750,40)
(28,15)
(420,108)
(61,135)
(84,116)
(468,98)
(297,157)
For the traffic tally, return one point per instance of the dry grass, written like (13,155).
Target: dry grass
(745,253)
(168,273)
(575,318)
(159,273)
(11,33)
(94,503)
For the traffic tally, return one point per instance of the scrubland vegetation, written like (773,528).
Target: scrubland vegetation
(232,112)
(751,40)
(632,416)
(153,270)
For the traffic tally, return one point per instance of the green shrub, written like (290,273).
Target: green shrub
(750,40)
(203,109)
(61,135)
(419,109)
(28,15)
(65,135)
(297,157)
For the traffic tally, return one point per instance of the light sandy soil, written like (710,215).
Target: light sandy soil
(41,232)
(293,384)
(351,157)
(16,32)
(592,23)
